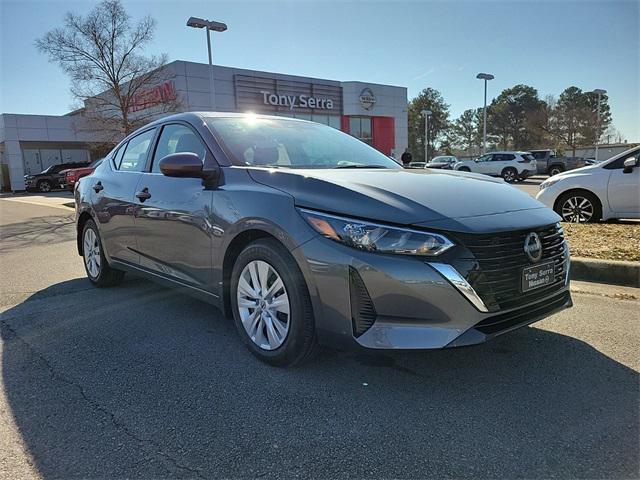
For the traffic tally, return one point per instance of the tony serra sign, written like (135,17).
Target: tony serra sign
(281,95)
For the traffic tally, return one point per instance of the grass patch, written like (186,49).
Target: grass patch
(605,241)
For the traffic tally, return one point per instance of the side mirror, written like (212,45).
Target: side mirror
(476,160)
(183,164)
(629,165)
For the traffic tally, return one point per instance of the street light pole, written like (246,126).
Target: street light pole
(600,92)
(426,114)
(212,94)
(485,77)
(208,25)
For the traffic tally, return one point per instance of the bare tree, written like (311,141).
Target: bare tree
(102,53)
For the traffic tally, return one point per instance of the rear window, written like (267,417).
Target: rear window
(528,156)
(539,155)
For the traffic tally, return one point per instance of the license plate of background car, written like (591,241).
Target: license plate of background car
(537,276)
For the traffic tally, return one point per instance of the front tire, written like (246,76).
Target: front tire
(579,207)
(98,269)
(509,174)
(271,305)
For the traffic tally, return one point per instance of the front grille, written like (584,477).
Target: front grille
(498,260)
(363,313)
(507,321)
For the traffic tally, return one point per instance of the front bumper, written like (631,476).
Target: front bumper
(415,306)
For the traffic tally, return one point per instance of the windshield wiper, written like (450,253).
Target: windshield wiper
(360,166)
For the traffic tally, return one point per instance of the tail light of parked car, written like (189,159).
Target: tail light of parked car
(71,177)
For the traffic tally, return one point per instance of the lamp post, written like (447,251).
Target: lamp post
(486,77)
(208,25)
(600,92)
(426,114)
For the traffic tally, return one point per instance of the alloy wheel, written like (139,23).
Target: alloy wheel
(45,187)
(509,175)
(91,252)
(577,210)
(263,304)
(554,171)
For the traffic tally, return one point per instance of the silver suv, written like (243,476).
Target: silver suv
(511,166)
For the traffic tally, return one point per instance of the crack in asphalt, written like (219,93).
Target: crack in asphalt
(146,443)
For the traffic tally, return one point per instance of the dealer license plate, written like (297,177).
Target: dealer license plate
(537,276)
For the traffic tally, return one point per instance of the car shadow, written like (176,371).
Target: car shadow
(44,230)
(139,381)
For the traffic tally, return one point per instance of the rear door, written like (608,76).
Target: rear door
(113,188)
(172,217)
(498,162)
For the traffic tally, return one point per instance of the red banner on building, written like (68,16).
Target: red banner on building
(165,92)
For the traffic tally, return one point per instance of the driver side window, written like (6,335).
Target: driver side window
(485,158)
(177,138)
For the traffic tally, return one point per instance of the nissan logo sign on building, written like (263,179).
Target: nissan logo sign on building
(367,99)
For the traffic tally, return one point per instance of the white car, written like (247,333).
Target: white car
(511,166)
(610,189)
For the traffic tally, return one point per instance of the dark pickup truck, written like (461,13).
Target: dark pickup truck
(50,178)
(547,162)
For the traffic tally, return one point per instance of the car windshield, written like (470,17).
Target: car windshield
(283,143)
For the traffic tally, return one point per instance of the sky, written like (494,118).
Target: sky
(549,45)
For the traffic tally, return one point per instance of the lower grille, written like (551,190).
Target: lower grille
(506,321)
(498,262)
(363,313)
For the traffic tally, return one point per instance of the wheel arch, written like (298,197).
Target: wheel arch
(82,220)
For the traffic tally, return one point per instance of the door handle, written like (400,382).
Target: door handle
(143,195)
(98,187)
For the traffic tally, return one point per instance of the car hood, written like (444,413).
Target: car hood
(443,199)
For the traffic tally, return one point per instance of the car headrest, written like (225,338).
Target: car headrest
(265,155)
(189,143)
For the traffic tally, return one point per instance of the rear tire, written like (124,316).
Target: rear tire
(264,279)
(44,186)
(464,169)
(579,206)
(555,170)
(99,272)
(509,174)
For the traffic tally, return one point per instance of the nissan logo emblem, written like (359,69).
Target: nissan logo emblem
(367,99)
(533,247)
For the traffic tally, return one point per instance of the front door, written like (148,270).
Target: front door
(172,214)
(482,164)
(623,190)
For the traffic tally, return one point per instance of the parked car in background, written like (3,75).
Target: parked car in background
(306,236)
(71,176)
(445,162)
(417,165)
(50,178)
(549,163)
(511,166)
(605,190)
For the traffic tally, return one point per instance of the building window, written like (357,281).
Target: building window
(360,127)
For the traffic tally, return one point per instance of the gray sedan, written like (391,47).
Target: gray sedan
(306,236)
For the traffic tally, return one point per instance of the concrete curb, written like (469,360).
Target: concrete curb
(606,271)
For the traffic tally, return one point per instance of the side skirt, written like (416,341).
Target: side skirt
(196,292)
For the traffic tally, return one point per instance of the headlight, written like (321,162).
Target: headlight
(548,183)
(371,237)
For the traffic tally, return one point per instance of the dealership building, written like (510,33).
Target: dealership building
(376,114)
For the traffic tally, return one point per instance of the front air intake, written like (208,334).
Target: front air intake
(363,313)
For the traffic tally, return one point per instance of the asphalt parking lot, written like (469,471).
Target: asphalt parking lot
(138,381)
